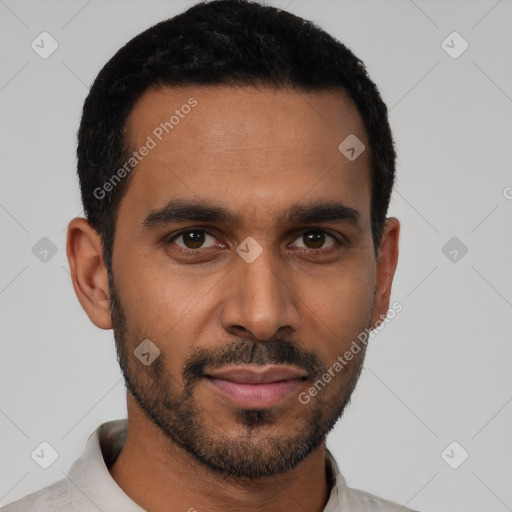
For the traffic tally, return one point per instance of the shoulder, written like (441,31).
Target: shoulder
(355,500)
(49,499)
(361,500)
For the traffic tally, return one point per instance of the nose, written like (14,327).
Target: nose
(260,302)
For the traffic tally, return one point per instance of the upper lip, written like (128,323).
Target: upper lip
(257,374)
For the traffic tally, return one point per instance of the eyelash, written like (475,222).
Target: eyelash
(337,242)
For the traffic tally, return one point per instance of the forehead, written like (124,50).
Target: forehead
(257,148)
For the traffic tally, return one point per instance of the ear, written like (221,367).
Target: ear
(88,272)
(386,266)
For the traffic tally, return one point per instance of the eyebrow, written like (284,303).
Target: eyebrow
(180,210)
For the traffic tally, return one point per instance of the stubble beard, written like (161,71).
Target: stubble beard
(257,447)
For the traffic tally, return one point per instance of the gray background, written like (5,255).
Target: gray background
(440,370)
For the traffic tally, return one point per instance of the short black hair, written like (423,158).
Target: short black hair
(221,42)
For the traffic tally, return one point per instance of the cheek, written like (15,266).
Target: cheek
(339,309)
(165,305)
(150,291)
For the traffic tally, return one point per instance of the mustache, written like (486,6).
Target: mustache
(243,351)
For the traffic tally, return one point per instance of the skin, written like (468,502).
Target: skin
(257,152)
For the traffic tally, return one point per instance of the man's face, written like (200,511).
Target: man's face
(242,334)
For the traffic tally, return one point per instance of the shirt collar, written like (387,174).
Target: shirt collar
(91,480)
(89,475)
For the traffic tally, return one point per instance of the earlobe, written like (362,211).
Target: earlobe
(386,266)
(88,271)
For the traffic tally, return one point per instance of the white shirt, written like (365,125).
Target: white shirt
(89,487)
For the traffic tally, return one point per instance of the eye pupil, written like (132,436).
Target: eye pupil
(193,239)
(315,238)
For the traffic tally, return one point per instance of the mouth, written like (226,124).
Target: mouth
(253,386)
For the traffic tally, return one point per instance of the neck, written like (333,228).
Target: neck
(160,476)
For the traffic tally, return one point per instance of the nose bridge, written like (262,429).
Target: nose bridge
(260,301)
(263,287)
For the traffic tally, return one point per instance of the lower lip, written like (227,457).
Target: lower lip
(255,396)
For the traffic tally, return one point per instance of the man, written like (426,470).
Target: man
(236,165)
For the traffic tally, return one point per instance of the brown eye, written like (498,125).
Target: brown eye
(192,239)
(315,239)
